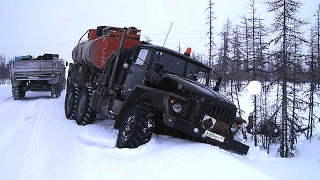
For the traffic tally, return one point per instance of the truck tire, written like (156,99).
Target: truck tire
(17,93)
(136,128)
(55,90)
(69,102)
(83,113)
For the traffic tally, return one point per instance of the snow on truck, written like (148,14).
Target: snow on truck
(147,89)
(44,73)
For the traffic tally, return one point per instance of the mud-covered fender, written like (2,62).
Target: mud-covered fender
(154,97)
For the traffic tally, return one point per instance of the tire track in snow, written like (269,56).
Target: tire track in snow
(19,112)
(21,155)
(38,142)
(33,157)
(5,100)
(44,147)
(89,140)
(100,134)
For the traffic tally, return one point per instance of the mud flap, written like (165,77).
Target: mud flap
(96,101)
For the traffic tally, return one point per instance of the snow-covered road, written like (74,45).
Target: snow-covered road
(38,142)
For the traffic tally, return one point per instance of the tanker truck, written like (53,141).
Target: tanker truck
(147,89)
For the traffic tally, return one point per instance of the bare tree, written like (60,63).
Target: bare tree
(4,68)
(246,35)
(317,34)
(225,49)
(313,71)
(285,30)
(210,33)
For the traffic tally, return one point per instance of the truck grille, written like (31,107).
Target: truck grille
(221,114)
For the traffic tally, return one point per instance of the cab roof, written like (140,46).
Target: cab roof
(175,53)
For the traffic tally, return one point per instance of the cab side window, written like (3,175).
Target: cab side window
(143,57)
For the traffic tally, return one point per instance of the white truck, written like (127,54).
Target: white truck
(44,73)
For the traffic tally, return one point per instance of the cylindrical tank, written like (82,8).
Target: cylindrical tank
(97,51)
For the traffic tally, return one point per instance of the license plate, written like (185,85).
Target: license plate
(214,136)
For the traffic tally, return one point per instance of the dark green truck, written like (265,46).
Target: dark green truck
(150,89)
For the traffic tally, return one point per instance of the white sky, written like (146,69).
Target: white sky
(54,26)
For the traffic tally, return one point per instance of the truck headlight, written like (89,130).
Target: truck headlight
(177,108)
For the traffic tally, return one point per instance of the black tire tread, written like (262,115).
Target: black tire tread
(16,93)
(89,114)
(141,132)
(55,90)
(70,114)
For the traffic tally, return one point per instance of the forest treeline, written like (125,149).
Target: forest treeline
(4,68)
(285,58)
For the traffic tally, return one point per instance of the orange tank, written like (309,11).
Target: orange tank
(101,43)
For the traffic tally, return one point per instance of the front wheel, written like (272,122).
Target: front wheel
(136,128)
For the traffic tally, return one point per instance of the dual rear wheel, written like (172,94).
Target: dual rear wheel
(136,127)
(77,104)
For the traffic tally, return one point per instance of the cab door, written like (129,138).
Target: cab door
(137,71)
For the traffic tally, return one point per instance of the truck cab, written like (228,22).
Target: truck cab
(149,56)
(175,88)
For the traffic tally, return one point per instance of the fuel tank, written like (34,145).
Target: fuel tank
(101,43)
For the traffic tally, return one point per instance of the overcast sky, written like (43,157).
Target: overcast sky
(55,26)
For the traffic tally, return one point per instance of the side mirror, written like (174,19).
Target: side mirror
(158,66)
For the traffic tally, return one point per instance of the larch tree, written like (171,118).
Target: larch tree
(296,74)
(224,61)
(211,43)
(317,41)
(285,31)
(235,73)
(253,52)
(313,74)
(4,68)
(246,44)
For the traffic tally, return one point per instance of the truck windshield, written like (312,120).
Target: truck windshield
(197,73)
(179,66)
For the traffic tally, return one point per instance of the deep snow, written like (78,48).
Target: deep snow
(38,142)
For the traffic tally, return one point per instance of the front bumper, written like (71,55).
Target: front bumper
(203,135)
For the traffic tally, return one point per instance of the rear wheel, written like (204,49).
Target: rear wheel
(16,93)
(83,113)
(69,103)
(55,90)
(136,128)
